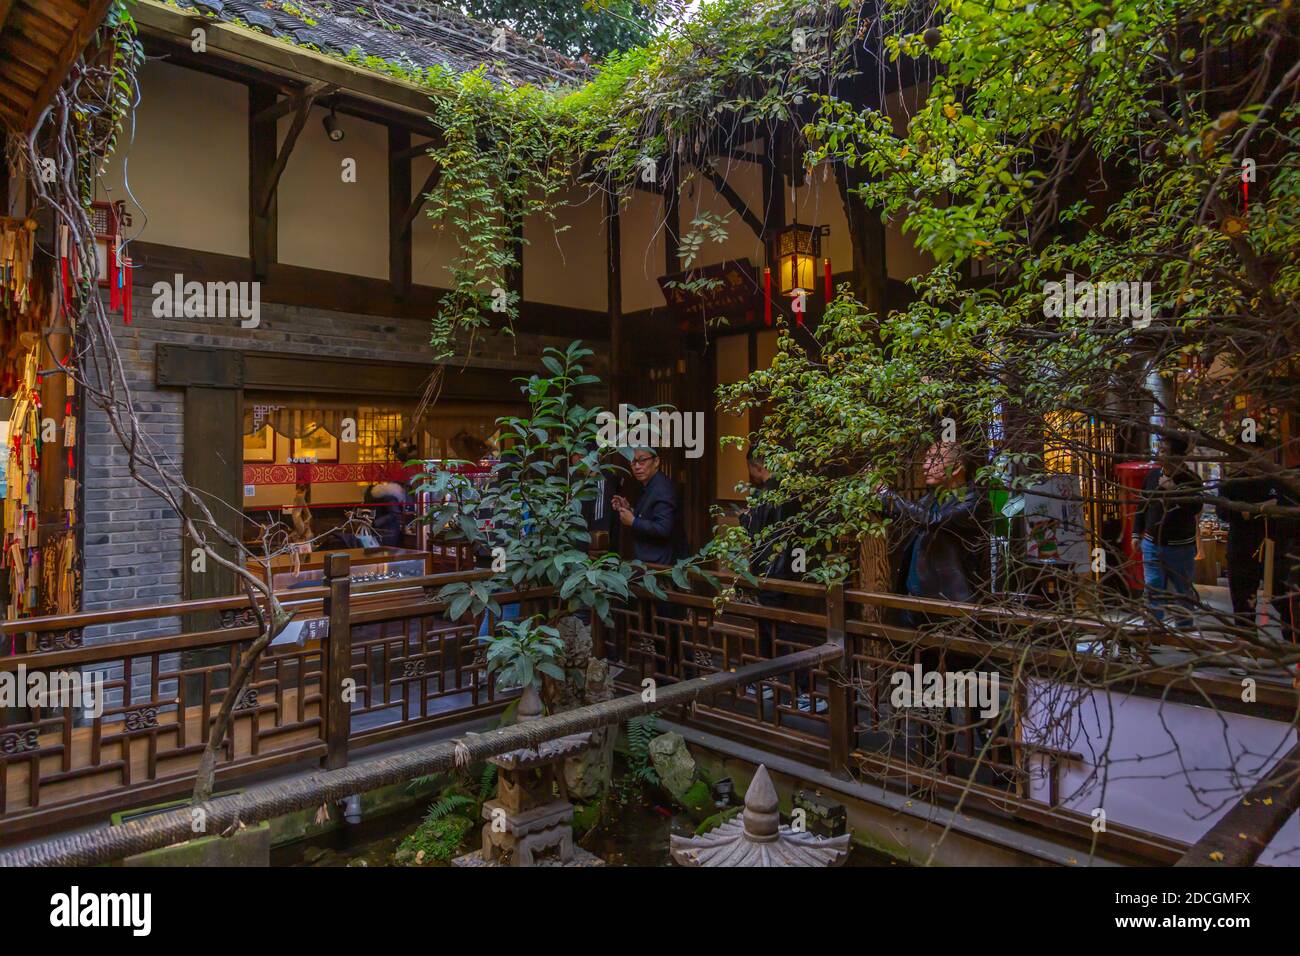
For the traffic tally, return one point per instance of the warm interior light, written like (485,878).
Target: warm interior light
(795,250)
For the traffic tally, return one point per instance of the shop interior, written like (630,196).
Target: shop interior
(328,473)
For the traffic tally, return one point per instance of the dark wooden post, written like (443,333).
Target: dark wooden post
(338,611)
(399,201)
(841,694)
(263,141)
(614,262)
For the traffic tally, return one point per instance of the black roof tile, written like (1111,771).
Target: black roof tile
(412,32)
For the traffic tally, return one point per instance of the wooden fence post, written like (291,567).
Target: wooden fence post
(338,611)
(841,694)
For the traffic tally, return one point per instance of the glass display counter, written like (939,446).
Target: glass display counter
(369,565)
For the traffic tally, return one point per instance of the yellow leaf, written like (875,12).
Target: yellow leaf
(1216,856)
(950,111)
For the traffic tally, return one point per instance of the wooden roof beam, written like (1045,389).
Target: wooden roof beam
(270,58)
(731,196)
(404,226)
(291,103)
(303,104)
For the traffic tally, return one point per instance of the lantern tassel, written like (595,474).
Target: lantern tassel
(830,287)
(767,296)
(63,267)
(126,290)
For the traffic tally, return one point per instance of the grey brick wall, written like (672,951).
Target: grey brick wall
(132,541)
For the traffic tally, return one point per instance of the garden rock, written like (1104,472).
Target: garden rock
(674,764)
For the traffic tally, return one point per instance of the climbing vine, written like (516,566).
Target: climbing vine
(715,81)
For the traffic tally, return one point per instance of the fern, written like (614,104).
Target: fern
(447,804)
(640,731)
(487,782)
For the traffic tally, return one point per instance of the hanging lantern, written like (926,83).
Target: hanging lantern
(793,253)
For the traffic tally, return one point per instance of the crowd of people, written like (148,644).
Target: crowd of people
(941,538)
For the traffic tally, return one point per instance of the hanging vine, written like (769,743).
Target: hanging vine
(715,82)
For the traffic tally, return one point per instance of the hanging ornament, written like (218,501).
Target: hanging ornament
(767,295)
(126,289)
(830,287)
(63,267)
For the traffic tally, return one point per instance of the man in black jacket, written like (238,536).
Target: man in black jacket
(1245,542)
(947,554)
(653,522)
(768,562)
(1165,529)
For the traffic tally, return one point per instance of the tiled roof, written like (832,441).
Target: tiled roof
(403,32)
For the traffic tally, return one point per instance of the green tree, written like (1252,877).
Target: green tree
(1103,141)
(576,28)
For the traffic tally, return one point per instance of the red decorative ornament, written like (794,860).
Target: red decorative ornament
(63,267)
(767,295)
(125,278)
(830,287)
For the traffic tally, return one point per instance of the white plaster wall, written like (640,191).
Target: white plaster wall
(186,162)
(324,222)
(568,267)
(642,250)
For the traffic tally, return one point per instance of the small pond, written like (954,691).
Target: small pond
(633,833)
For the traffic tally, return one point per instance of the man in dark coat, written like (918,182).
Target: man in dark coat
(1245,542)
(1165,529)
(653,522)
(1247,532)
(772,564)
(946,544)
(389,499)
(766,561)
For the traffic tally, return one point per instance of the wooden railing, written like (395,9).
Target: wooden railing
(840,717)
(373,662)
(383,661)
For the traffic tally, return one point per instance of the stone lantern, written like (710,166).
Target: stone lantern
(757,838)
(531,812)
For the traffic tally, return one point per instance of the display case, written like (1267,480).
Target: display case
(368,565)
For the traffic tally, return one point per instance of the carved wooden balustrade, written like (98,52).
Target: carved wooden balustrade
(381,661)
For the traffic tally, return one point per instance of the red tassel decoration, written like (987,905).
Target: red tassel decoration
(1245,196)
(113,300)
(63,266)
(767,295)
(126,289)
(830,287)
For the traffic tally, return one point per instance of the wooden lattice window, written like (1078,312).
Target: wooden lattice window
(377,429)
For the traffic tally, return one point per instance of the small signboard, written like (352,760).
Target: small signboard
(727,290)
(300,632)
